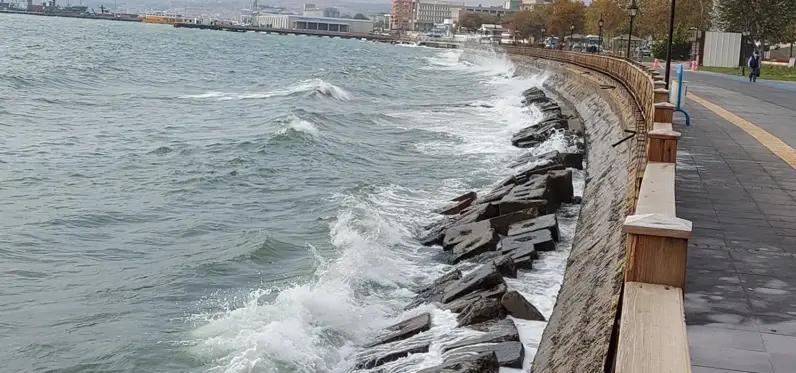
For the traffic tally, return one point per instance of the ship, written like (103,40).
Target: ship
(164,18)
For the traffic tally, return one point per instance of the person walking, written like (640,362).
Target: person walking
(754,67)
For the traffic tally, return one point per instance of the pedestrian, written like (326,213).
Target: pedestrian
(754,67)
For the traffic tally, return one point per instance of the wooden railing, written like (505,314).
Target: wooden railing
(652,332)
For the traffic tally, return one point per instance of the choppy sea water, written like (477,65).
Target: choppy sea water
(185,201)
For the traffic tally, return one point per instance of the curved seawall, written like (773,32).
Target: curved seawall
(578,336)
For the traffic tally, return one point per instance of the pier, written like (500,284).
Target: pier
(278,31)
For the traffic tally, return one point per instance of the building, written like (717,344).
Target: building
(310,10)
(426,14)
(512,5)
(381,21)
(296,22)
(401,15)
(493,10)
(530,4)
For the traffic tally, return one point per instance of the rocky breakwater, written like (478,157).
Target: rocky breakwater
(502,231)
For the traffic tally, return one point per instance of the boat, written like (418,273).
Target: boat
(164,18)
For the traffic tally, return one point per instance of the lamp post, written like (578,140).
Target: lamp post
(744,41)
(571,34)
(632,10)
(669,46)
(600,24)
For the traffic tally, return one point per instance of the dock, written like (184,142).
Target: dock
(278,31)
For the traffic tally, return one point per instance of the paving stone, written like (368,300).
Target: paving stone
(722,337)
(731,358)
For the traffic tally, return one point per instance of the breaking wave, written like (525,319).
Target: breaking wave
(310,88)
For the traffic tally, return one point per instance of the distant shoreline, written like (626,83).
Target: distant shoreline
(108,17)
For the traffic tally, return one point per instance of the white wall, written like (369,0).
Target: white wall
(722,49)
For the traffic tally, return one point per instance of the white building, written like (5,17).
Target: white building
(530,4)
(427,13)
(295,22)
(311,10)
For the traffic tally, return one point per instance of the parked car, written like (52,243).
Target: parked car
(646,52)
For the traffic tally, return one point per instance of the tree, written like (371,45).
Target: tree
(474,20)
(360,16)
(765,20)
(612,13)
(527,23)
(563,14)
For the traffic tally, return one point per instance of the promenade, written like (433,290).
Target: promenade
(736,182)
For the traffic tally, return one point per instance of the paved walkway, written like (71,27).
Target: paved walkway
(741,196)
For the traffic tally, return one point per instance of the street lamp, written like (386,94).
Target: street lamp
(571,34)
(600,24)
(632,10)
(669,46)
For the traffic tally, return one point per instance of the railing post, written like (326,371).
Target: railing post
(657,249)
(662,145)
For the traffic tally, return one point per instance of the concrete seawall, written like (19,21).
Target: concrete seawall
(579,334)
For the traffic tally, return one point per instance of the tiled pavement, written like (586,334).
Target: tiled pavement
(741,280)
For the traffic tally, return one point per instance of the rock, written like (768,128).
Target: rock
(433,292)
(525,262)
(458,233)
(501,223)
(478,212)
(509,354)
(517,306)
(510,205)
(434,233)
(560,184)
(469,195)
(548,222)
(485,362)
(476,243)
(526,174)
(577,200)
(506,266)
(541,240)
(535,188)
(496,194)
(460,304)
(501,331)
(403,330)
(389,355)
(485,277)
(458,206)
(481,310)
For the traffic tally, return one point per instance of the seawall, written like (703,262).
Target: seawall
(579,334)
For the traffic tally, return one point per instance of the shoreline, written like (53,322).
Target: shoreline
(502,234)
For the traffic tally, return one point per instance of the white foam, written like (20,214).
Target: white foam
(315,85)
(299,125)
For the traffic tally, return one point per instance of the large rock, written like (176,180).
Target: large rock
(517,306)
(389,354)
(478,212)
(503,330)
(509,354)
(433,292)
(435,232)
(457,206)
(548,222)
(533,188)
(501,223)
(485,362)
(496,194)
(460,304)
(541,240)
(465,196)
(404,329)
(483,278)
(476,243)
(560,184)
(568,160)
(458,233)
(513,204)
(505,264)
(483,309)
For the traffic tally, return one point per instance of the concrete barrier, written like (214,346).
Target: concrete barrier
(643,331)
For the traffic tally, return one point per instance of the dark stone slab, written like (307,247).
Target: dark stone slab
(548,222)
(433,292)
(560,183)
(501,223)
(573,160)
(509,354)
(503,330)
(466,196)
(474,244)
(496,194)
(403,330)
(507,206)
(458,233)
(541,240)
(483,309)
(505,264)
(516,305)
(458,206)
(478,212)
(389,355)
(485,277)
(434,233)
(486,362)
(460,304)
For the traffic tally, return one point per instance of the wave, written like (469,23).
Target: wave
(310,87)
(294,124)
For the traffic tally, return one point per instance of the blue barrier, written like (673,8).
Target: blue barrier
(678,105)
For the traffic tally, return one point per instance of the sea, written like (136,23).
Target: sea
(177,200)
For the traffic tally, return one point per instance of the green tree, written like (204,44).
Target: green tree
(767,21)
(474,20)
(360,16)
(526,24)
(613,15)
(565,13)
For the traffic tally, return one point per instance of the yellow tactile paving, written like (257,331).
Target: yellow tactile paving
(773,143)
